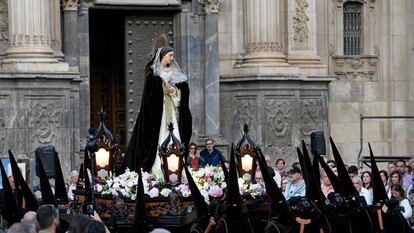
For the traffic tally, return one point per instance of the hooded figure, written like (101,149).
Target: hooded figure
(355,205)
(10,213)
(233,219)
(203,214)
(313,195)
(280,219)
(165,99)
(60,189)
(30,202)
(141,219)
(392,220)
(45,188)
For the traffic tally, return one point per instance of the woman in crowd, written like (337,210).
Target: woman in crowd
(399,193)
(366,178)
(356,180)
(193,159)
(395,178)
(384,178)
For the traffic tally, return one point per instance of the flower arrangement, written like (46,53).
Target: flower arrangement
(210,180)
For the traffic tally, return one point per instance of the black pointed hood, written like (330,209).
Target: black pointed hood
(60,189)
(45,188)
(331,175)
(30,200)
(233,201)
(86,165)
(313,187)
(316,168)
(16,172)
(199,202)
(10,211)
(79,184)
(348,188)
(225,171)
(279,206)
(379,194)
(88,186)
(141,218)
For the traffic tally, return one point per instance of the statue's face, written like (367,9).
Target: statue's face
(168,58)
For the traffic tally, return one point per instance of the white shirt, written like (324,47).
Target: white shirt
(408,211)
(367,194)
(70,193)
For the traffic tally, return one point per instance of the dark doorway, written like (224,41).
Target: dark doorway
(107,70)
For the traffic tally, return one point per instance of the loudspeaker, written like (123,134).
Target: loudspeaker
(318,143)
(47,156)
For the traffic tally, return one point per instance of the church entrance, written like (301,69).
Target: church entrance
(122,42)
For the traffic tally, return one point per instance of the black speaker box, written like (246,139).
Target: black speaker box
(47,156)
(318,143)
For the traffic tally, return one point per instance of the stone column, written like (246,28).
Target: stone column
(302,37)
(211,78)
(30,37)
(71,42)
(264,29)
(56,30)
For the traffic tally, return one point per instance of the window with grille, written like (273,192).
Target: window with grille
(352,28)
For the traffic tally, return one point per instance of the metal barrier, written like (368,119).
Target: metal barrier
(365,159)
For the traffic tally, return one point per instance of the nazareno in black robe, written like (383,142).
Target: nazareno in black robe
(143,143)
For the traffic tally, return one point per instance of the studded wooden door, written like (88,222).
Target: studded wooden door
(143,35)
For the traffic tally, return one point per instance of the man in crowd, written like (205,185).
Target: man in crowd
(73,180)
(390,167)
(47,218)
(280,167)
(296,186)
(30,218)
(210,154)
(407,178)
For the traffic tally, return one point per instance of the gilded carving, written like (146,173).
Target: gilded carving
(211,6)
(309,116)
(300,21)
(257,47)
(246,111)
(44,120)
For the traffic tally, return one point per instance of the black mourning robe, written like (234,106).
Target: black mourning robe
(144,140)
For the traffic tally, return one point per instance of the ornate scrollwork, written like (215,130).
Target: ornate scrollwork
(246,111)
(310,116)
(257,47)
(211,6)
(70,4)
(300,21)
(44,119)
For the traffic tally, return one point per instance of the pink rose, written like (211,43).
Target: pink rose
(215,191)
(154,192)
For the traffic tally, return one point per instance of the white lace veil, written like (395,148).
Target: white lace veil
(178,75)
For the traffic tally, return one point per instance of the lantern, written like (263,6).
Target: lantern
(171,152)
(246,156)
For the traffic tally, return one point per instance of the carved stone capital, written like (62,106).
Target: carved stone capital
(70,5)
(211,6)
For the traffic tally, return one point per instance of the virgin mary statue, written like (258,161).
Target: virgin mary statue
(165,100)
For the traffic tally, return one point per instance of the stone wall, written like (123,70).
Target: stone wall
(4,28)
(39,110)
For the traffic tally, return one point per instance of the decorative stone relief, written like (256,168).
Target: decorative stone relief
(32,40)
(263,47)
(70,4)
(279,127)
(309,116)
(44,119)
(300,22)
(211,6)
(246,112)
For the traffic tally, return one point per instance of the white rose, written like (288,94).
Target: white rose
(165,192)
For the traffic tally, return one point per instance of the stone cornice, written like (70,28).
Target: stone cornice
(211,6)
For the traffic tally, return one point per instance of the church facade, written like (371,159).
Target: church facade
(286,68)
